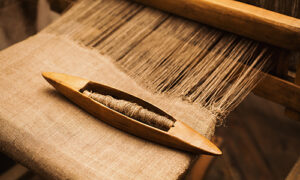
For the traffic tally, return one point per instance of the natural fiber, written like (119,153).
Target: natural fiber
(132,110)
(45,132)
(167,54)
(193,72)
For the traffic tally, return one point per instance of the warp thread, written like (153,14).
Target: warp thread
(167,54)
(132,110)
(173,56)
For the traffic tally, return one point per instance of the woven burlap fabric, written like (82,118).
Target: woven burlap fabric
(46,132)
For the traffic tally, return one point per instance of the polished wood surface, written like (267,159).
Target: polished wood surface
(240,18)
(180,136)
(279,91)
(229,15)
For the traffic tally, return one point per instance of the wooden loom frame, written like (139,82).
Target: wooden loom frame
(278,88)
(274,88)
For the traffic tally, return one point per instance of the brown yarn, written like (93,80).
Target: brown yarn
(132,110)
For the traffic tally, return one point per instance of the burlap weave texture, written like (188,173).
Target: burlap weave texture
(45,131)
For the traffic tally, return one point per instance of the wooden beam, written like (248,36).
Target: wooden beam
(241,18)
(279,91)
(237,17)
(272,88)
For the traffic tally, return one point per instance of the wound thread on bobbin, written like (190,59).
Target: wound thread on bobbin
(132,110)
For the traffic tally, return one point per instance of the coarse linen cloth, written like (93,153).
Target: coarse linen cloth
(47,133)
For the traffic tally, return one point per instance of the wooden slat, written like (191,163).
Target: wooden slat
(239,18)
(279,91)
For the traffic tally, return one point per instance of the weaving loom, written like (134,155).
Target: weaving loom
(196,73)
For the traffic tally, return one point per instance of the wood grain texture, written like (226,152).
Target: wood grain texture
(240,18)
(179,136)
(233,16)
(279,91)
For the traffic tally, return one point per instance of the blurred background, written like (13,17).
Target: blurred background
(258,140)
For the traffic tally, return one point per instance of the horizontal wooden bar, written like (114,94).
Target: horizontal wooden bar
(279,91)
(240,18)
(244,19)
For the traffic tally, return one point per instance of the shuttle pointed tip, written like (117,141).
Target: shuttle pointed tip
(210,148)
(58,79)
(47,75)
(215,150)
(192,140)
